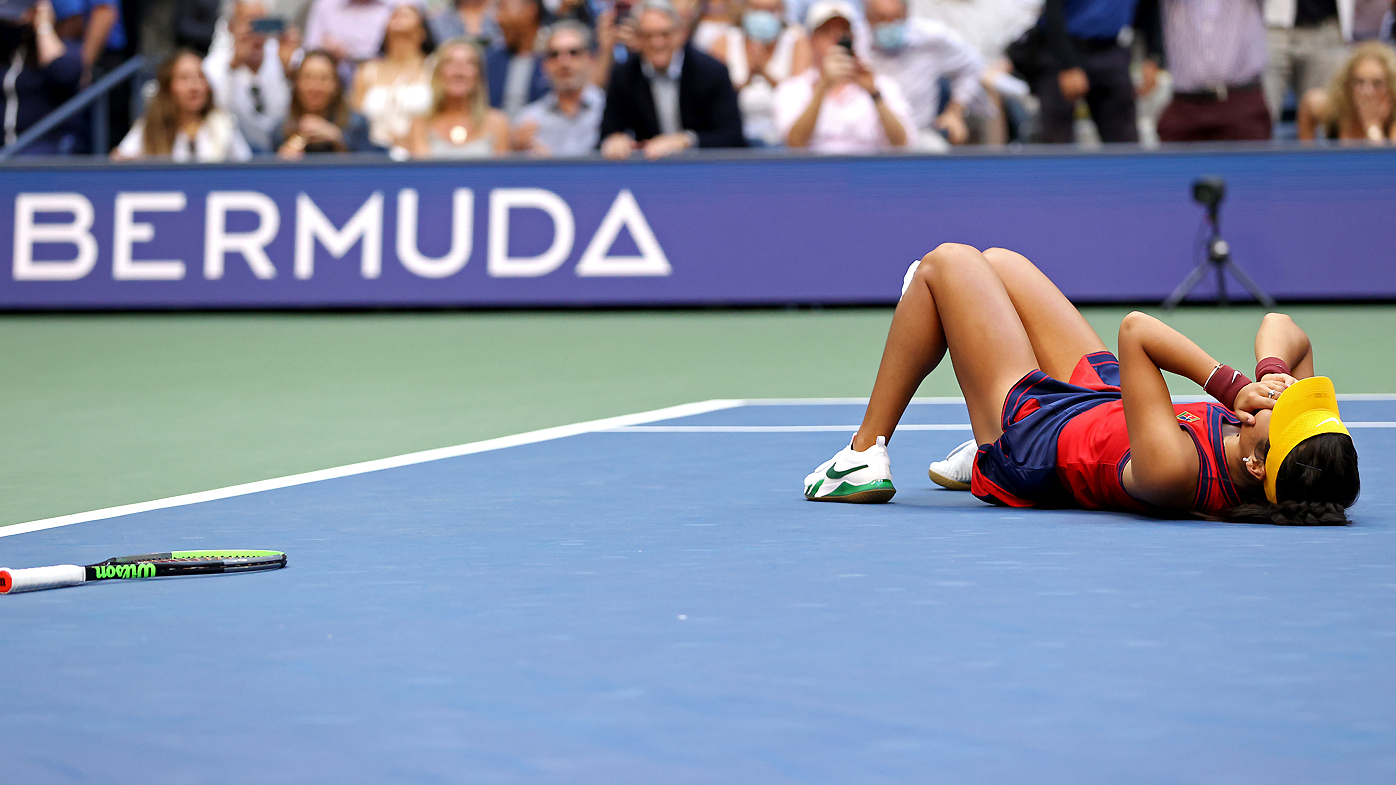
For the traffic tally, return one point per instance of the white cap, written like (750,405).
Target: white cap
(824,10)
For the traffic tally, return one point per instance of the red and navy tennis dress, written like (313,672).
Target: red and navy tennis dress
(1065,444)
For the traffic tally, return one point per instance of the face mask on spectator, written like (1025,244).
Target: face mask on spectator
(890,37)
(762,26)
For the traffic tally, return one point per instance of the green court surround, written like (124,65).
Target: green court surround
(101,410)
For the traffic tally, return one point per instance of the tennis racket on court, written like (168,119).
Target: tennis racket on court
(146,565)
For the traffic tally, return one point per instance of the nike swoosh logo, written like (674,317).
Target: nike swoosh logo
(1330,419)
(833,475)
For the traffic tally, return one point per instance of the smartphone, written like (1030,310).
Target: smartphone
(623,9)
(269,25)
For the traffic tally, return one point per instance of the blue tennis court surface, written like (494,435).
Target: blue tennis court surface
(657,603)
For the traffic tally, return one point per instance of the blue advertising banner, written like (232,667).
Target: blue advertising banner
(1306,224)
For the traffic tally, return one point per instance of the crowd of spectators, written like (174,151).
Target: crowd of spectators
(649,78)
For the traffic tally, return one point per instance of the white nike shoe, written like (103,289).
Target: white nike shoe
(958,467)
(852,476)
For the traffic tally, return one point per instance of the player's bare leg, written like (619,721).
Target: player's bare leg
(1059,334)
(956,302)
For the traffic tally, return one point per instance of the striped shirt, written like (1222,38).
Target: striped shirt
(1211,43)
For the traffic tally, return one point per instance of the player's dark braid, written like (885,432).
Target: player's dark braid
(1317,482)
(1291,513)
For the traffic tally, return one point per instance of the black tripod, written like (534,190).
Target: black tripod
(1209,192)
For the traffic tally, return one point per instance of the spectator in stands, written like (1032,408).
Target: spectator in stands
(615,41)
(96,28)
(395,89)
(839,105)
(320,120)
(249,79)
(351,30)
(760,54)
(516,77)
(579,11)
(566,121)
(1000,112)
(798,10)
(473,19)
(988,25)
(917,54)
(1360,104)
(1082,58)
(1368,19)
(181,121)
(98,25)
(41,72)
(1308,42)
(716,18)
(1217,55)
(669,98)
(461,123)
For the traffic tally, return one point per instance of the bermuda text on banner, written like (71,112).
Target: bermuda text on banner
(1306,224)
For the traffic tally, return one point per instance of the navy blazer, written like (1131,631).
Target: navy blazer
(707,102)
(497,59)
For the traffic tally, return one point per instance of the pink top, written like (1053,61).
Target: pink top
(848,121)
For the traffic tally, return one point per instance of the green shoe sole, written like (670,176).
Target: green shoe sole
(869,493)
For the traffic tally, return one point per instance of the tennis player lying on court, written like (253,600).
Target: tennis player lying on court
(1060,422)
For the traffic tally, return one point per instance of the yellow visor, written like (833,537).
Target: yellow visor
(1307,408)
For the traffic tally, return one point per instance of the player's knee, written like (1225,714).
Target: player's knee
(1002,257)
(946,256)
(1275,319)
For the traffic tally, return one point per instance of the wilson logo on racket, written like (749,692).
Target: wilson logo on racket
(106,571)
(146,565)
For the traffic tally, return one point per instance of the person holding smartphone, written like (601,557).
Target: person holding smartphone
(839,105)
(248,80)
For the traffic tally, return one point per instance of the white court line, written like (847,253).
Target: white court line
(947,400)
(775,428)
(841,428)
(531,437)
(835,401)
(611,424)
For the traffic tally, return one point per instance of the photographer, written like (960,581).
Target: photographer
(839,106)
(40,73)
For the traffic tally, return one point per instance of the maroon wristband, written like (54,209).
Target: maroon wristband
(1271,365)
(1225,384)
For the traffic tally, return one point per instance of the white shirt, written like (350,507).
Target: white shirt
(756,98)
(664,88)
(218,140)
(932,50)
(988,25)
(848,120)
(240,92)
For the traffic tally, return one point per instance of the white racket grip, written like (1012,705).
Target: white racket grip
(36,578)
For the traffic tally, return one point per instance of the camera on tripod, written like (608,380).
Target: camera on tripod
(1209,192)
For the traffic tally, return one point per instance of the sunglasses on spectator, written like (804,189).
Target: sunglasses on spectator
(554,54)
